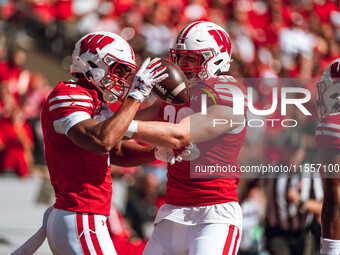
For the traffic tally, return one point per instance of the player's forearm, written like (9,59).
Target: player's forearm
(163,134)
(113,129)
(129,154)
(101,137)
(313,206)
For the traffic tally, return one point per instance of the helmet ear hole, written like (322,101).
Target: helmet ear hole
(93,65)
(334,96)
(218,72)
(77,75)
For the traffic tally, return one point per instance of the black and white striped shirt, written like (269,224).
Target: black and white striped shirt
(285,215)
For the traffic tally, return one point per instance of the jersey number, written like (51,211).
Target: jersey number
(172,116)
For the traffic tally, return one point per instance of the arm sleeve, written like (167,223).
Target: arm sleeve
(63,125)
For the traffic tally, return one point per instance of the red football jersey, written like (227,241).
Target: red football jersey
(185,187)
(81,179)
(328,132)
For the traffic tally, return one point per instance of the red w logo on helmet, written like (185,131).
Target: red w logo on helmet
(92,42)
(222,40)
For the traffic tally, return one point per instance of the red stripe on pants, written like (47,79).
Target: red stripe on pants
(236,241)
(81,235)
(228,240)
(93,235)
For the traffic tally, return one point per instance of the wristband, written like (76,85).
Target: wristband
(136,94)
(329,246)
(132,129)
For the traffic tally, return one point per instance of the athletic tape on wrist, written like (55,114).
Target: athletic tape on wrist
(329,246)
(137,95)
(132,129)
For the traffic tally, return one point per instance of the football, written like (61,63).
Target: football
(174,89)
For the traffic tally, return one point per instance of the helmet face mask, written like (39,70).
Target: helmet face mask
(116,81)
(107,61)
(328,91)
(198,71)
(210,42)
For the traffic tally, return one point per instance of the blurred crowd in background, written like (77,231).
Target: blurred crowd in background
(287,39)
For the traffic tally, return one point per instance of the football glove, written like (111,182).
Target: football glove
(166,155)
(146,78)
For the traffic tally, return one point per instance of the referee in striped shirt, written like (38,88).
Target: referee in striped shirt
(294,202)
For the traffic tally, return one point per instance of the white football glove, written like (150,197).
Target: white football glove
(185,153)
(166,155)
(187,150)
(146,78)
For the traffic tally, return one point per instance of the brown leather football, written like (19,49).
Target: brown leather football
(174,89)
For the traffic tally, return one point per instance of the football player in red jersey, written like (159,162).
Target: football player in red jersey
(83,137)
(328,143)
(201,214)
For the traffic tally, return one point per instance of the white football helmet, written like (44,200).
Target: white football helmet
(328,97)
(210,42)
(96,55)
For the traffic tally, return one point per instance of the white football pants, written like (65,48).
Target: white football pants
(71,233)
(171,238)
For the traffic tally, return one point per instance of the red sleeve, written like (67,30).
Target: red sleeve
(70,98)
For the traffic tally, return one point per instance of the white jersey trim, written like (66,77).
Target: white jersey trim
(236,130)
(223,89)
(231,99)
(70,104)
(329,125)
(326,132)
(63,125)
(226,213)
(333,114)
(83,97)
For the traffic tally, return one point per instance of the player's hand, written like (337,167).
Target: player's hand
(185,153)
(166,155)
(146,78)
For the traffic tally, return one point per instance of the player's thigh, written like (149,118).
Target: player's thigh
(215,239)
(168,238)
(153,246)
(71,233)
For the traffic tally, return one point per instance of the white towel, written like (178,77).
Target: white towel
(35,241)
